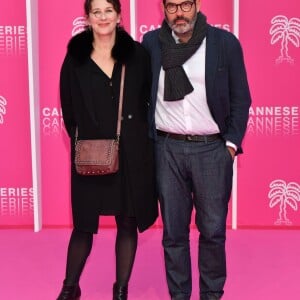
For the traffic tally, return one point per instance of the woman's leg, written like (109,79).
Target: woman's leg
(126,244)
(80,246)
(79,249)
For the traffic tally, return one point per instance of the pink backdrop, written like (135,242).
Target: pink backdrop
(268,172)
(16,202)
(269,177)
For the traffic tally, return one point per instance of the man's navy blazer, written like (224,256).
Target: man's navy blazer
(227,89)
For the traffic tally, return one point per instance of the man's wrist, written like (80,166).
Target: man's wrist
(231,145)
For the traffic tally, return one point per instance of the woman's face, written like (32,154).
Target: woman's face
(103,18)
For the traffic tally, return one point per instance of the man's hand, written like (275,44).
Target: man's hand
(231,151)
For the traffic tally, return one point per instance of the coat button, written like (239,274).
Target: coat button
(130,117)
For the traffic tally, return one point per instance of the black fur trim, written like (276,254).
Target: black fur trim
(124,47)
(80,46)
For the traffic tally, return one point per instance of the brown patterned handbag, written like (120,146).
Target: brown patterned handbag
(100,157)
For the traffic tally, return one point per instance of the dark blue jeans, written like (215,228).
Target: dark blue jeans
(199,175)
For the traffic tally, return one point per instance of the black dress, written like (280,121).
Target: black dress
(113,192)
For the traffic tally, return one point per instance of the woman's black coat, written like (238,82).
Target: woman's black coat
(78,111)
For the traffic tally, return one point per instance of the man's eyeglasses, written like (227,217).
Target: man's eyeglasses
(185,6)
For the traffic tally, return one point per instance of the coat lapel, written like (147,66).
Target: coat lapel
(211,64)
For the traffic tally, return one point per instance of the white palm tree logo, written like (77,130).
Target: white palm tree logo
(284,195)
(79,25)
(3,103)
(288,31)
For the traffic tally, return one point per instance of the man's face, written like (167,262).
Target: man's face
(181,15)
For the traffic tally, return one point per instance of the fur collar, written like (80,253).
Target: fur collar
(81,46)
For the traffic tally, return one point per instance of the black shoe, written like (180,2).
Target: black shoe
(120,292)
(72,292)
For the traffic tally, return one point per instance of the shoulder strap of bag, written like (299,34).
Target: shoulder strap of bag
(120,102)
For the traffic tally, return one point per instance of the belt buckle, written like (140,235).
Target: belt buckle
(189,137)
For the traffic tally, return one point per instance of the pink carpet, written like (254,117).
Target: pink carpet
(262,265)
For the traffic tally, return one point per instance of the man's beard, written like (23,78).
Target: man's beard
(182,29)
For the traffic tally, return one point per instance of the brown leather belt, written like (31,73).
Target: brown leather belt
(189,137)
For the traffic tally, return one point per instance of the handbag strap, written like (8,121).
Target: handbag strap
(120,102)
(121,97)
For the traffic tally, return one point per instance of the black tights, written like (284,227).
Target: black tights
(80,246)
(126,244)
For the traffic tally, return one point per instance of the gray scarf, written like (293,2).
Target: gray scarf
(174,55)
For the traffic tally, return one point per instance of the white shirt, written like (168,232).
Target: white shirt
(190,115)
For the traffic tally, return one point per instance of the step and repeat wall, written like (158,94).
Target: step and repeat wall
(268,173)
(16,192)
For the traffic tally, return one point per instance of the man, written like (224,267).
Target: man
(198,114)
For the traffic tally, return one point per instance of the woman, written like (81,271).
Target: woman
(89,89)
